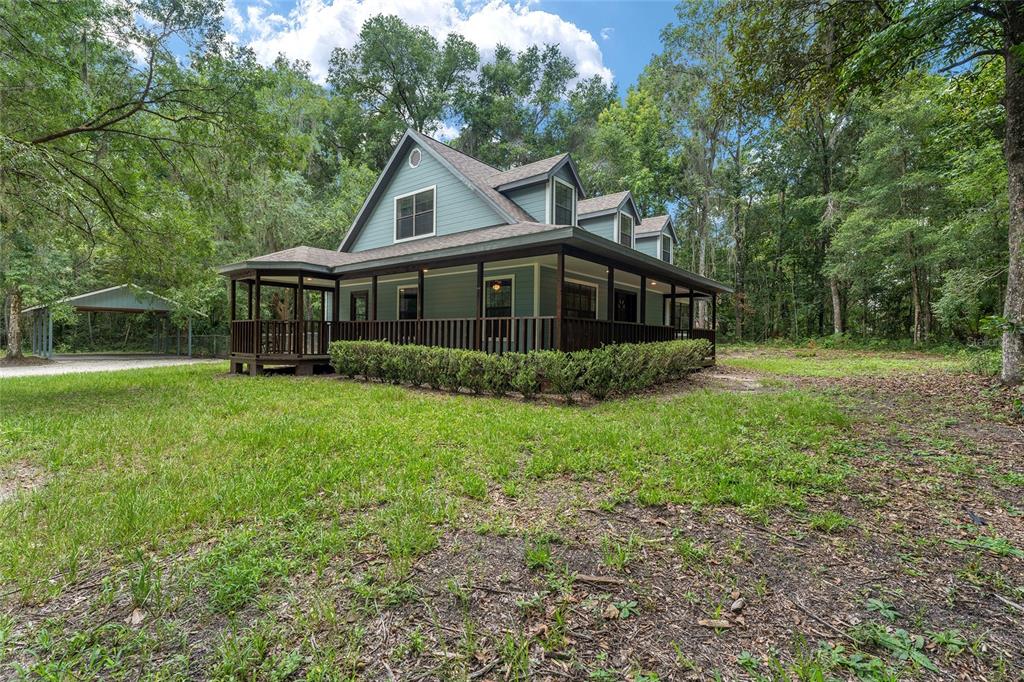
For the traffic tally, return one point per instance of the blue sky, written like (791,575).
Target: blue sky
(612,39)
(635,35)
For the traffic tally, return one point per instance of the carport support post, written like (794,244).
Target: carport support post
(49,334)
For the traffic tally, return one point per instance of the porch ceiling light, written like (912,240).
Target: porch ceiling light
(496,286)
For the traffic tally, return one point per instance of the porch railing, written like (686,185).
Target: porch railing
(300,338)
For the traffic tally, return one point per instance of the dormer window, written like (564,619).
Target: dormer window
(626,229)
(563,200)
(414,214)
(666,248)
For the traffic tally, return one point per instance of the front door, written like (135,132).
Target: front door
(625,306)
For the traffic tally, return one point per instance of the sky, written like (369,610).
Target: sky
(612,39)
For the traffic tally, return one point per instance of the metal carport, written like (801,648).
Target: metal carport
(126,298)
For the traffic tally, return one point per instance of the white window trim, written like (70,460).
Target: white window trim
(661,248)
(597,294)
(618,229)
(550,213)
(394,215)
(487,278)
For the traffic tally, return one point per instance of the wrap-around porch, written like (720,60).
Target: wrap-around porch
(560,298)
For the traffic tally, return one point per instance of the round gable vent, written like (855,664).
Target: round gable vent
(414,158)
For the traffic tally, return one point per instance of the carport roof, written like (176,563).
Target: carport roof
(129,298)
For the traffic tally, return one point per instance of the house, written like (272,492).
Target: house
(449,251)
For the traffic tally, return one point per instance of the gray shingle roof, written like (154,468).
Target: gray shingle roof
(326,258)
(653,224)
(478,174)
(304,254)
(604,202)
(466,238)
(527,170)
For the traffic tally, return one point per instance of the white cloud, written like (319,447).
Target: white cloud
(314,28)
(607,32)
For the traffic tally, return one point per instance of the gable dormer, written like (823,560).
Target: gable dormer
(656,236)
(612,216)
(548,189)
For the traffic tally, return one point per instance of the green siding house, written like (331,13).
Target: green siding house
(447,250)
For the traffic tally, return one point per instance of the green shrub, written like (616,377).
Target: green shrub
(615,369)
(526,375)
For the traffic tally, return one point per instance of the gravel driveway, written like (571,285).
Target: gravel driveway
(66,364)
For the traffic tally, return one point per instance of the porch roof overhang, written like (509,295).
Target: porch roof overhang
(497,243)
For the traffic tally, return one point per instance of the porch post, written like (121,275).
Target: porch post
(232,294)
(373,298)
(373,305)
(478,331)
(714,311)
(672,308)
(300,316)
(256,300)
(323,305)
(336,301)
(689,314)
(643,299)
(248,303)
(610,305)
(419,294)
(559,295)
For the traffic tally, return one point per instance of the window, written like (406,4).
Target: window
(580,300)
(666,248)
(414,158)
(563,199)
(498,297)
(408,302)
(359,305)
(414,214)
(626,230)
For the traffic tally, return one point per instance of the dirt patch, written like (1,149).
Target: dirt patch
(20,477)
(24,361)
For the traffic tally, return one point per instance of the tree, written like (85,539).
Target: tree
(101,121)
(630,150)
(523,107)
(873,44)
(401,77)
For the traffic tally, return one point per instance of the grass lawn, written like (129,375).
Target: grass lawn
(178,523)
(835,363)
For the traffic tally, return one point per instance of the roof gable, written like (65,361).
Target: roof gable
(657,225)
(538,171)
(607,203)
(468,171)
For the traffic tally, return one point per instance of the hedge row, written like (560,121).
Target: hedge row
(615,369)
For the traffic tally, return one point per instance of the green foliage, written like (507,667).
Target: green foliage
(619,369)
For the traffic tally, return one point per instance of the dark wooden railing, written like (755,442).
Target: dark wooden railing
(581,334)
(302,338)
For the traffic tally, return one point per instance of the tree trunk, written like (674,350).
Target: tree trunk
(1013,146)
(14,323)
(915,294)
(838,326)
